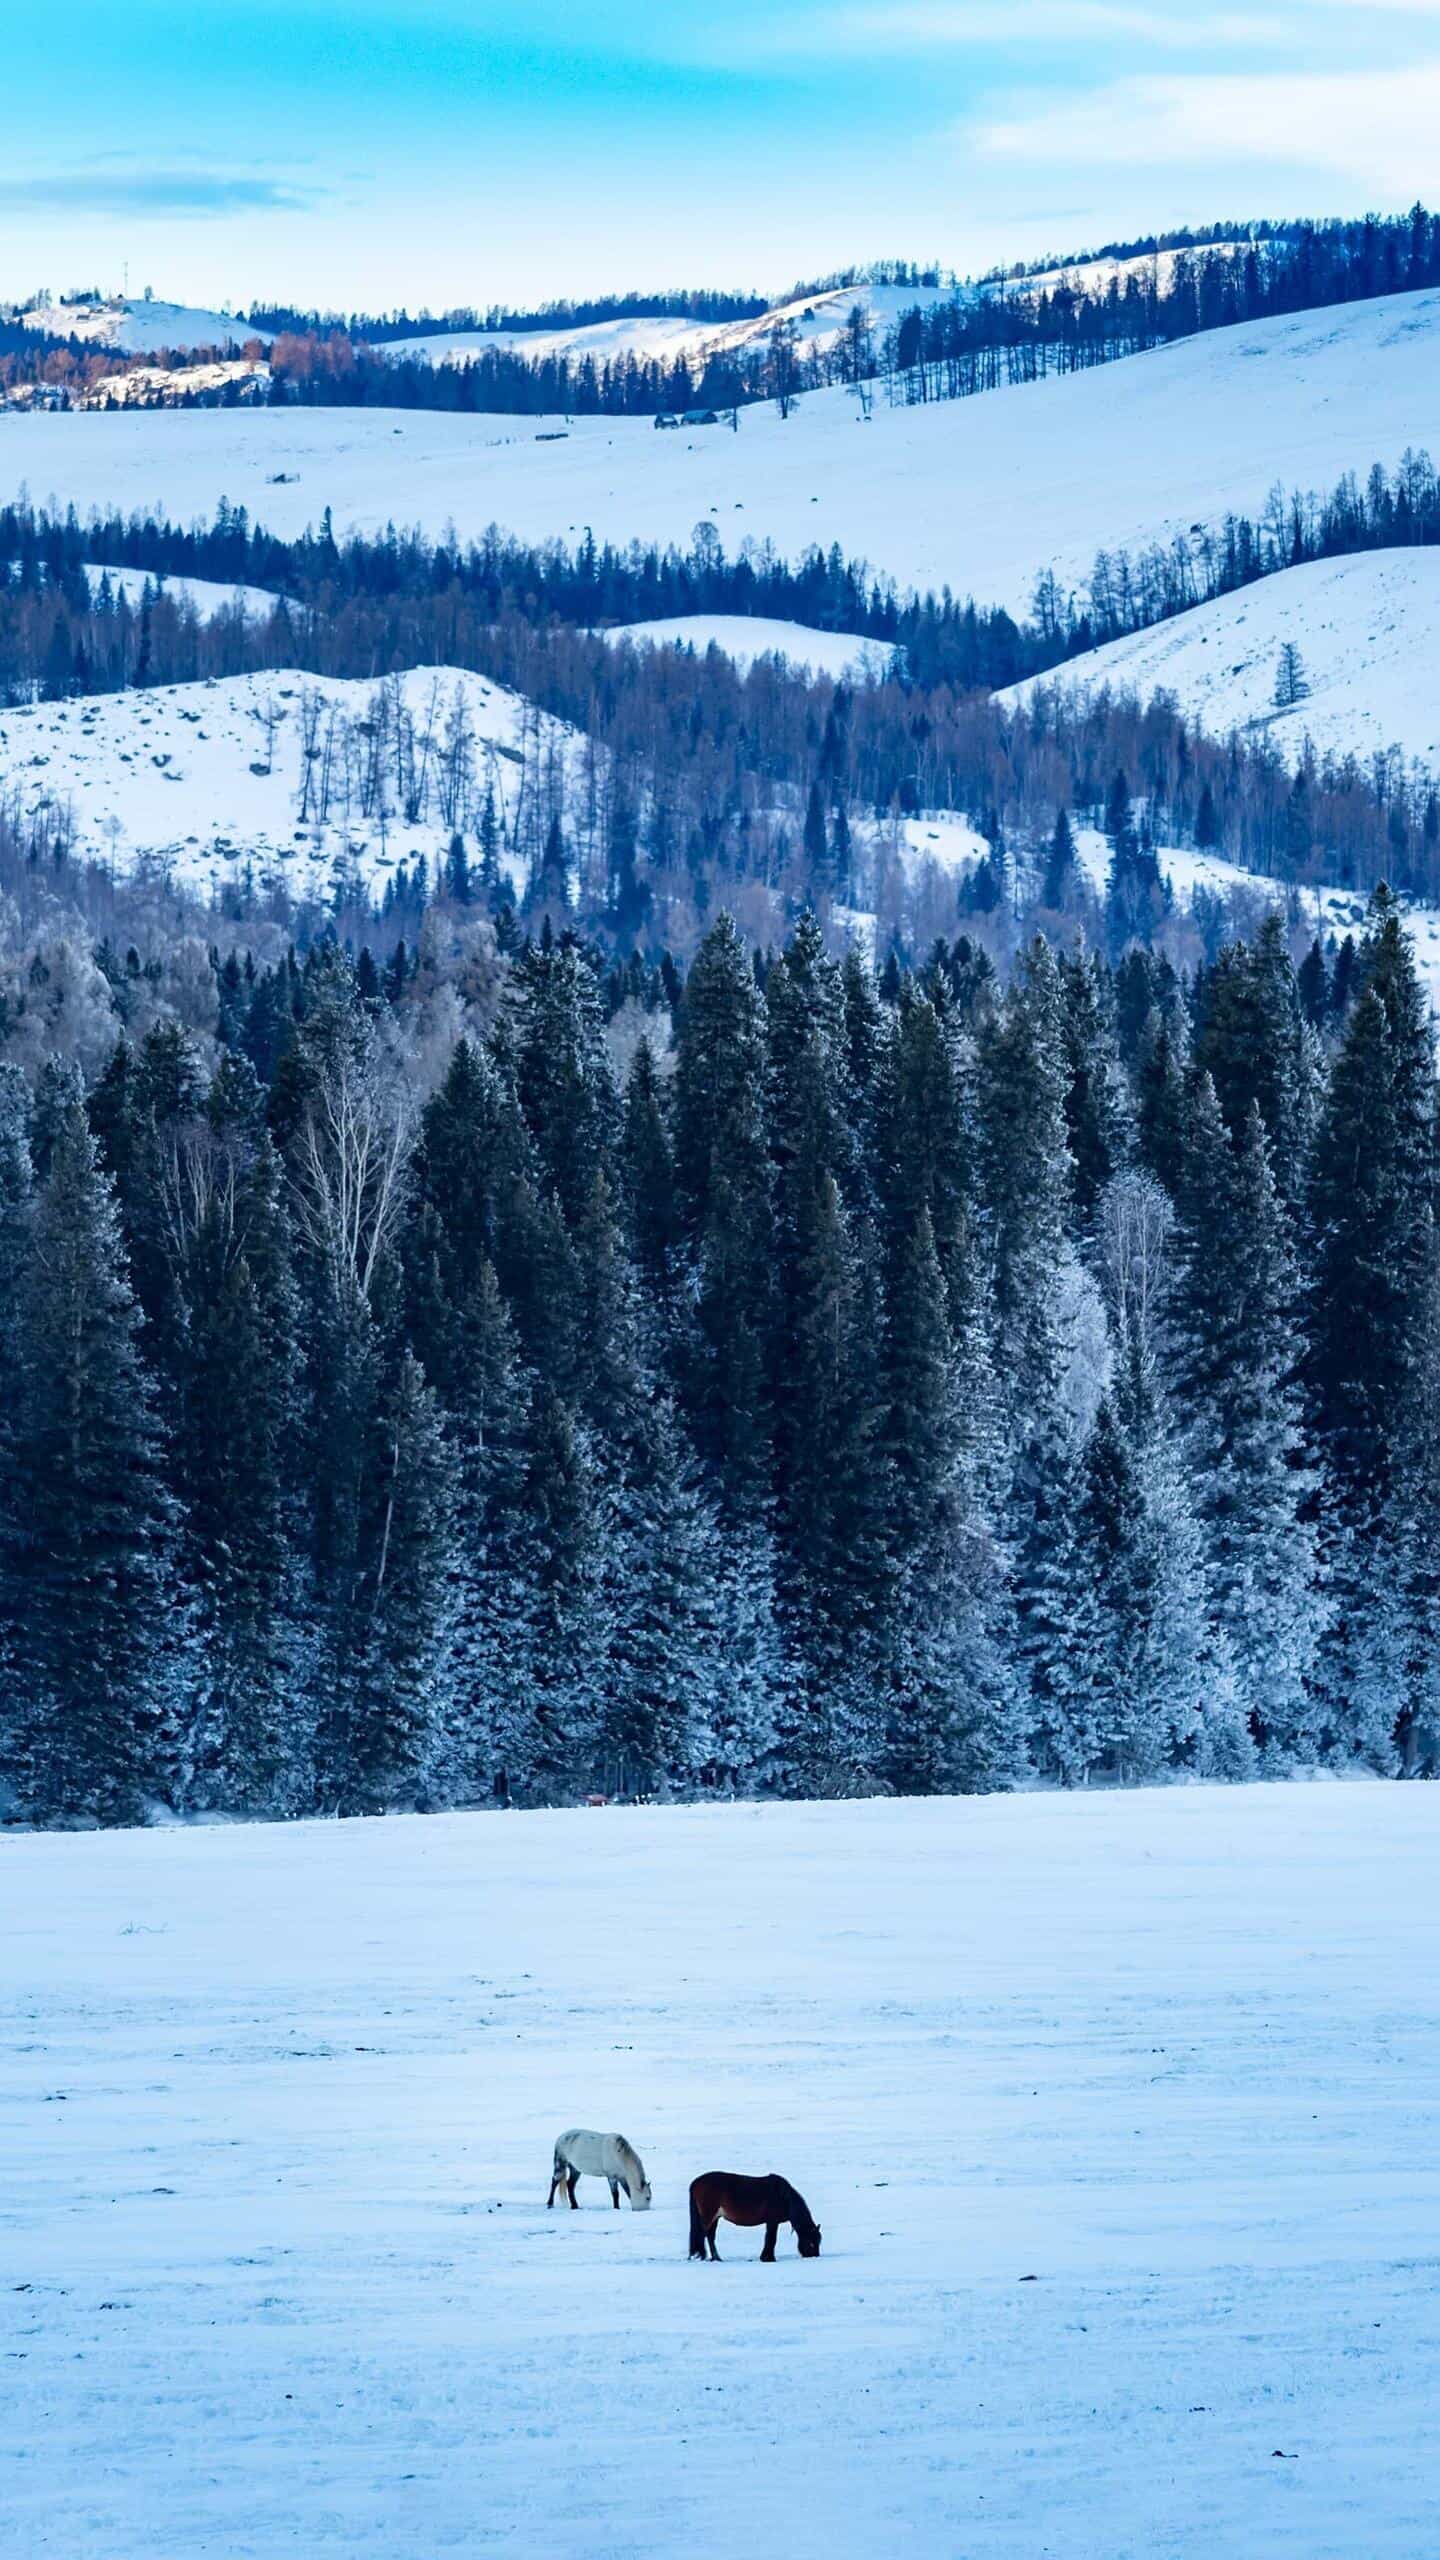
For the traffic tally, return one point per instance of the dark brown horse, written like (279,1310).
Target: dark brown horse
(721,2196)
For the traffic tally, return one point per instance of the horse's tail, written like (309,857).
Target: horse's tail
(697,2226)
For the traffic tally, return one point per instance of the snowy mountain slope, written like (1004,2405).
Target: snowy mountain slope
(1094,276)
(746,637)
(209,596)
(1321,908)
(206,780)
(601,340)
(139,327)
(819,319)
(1116,2110)
(1368,631)
(175,386)
(982,493)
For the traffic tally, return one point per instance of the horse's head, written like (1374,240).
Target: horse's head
(637,2185)
(807,2235)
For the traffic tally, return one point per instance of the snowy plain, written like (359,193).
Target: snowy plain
(1117,2111)
(981,493)
(1367,628)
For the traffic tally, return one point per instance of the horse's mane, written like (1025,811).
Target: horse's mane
(628,2153)
(795,2201)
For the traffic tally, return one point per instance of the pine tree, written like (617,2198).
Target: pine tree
(951,1718)
(399,1717)
(722,1176)
(561,1631)
(1291,685)
(562,1073)
(1026,1176)
(1254,1044)
(1136,897)
(1096,1102)
(1236,1355)
(1372,1208)
(239,1418)
(662,1681)
(1161,1103)
(91,1596)
(1062,866)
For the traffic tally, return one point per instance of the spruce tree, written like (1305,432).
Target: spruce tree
(722,1173)
(96,1622)
(239,1419)
(1236,1357)
(1096,1101)
(399,1722)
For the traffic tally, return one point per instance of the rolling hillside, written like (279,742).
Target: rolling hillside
(138,327)
(206,781)
(1368,631)
(819,320)
(981,494)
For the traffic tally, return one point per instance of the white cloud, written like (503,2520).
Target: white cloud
(1377,127)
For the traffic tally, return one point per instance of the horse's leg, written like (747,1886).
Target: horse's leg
(572,2183)
(772,2234)
(615,2193)
(710,2236)
(555,2176)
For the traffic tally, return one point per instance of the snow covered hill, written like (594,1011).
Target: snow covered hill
(982,493)
(209,596)
(1368,632)
(1117,2112)
(208,781)
(746,637)
(140,327)
(1321,909)
(819,319)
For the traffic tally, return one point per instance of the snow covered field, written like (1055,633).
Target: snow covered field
(277,2113)
(1367,628)
(206,779)
(983,493)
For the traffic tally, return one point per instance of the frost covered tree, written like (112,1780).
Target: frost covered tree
(1370,1301)
(1237,1355)
(92,1601)
(1291,683)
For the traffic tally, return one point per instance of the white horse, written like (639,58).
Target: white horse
(599,2155)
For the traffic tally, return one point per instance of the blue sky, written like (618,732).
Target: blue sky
(373,151)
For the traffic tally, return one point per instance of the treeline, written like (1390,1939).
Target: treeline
(700,302)
(962,345)
(779,1381)
(1147,244)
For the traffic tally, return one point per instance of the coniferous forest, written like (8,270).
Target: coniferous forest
(778,1379)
